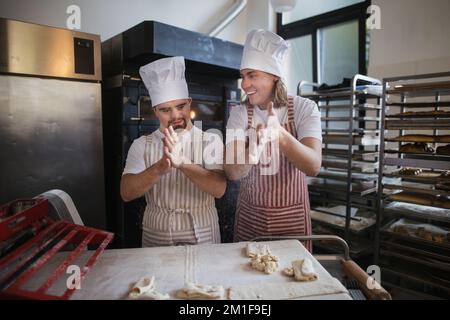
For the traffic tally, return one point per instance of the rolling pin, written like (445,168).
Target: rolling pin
(353,271)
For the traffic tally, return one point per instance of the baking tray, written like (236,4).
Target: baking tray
(433,104)
(415,201)
(346,119)
(357,189)
(442,257)
(356,154)
(414,189)
(342,175)
(417,211)
(420,241)
(431,89)
(320,215)
(415,259)
(362,140)
(420,116)
(426,138)
(361,106)
(442,124)
(426,176)
(357,165)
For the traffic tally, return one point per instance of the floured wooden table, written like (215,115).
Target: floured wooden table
(117,271)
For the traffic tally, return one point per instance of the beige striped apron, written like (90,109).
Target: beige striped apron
(273,205)
(177,212)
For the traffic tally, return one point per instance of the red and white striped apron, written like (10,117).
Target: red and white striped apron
(273,205)
(177,212)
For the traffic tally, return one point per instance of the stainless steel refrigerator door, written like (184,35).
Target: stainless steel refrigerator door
(51,138)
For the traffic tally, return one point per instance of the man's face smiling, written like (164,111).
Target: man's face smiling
(175,113)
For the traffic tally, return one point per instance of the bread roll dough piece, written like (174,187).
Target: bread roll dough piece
(145,289)
(265,263)
(198,291)
(254,249)
(304,270)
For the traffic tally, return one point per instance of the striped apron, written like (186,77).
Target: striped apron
(177,212)
(273,205)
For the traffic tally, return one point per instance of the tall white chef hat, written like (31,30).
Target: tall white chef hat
(264,51)
(165,80)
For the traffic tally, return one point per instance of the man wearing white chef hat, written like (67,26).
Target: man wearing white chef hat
(274,202)
(179,191)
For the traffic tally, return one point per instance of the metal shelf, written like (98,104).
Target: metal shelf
(343,176)
(411,189)
(361,106)
(418,163)
(361,133)
(346,119)
(356,191)
(421,203)
(419,124)
(419,104)
(426,177)
(421,212)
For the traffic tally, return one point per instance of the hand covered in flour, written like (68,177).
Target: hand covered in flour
(173,148)
(265,133)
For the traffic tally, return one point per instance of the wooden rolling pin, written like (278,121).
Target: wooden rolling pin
(353,271)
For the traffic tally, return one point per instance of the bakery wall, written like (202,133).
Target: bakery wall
(413,39)
(110,17)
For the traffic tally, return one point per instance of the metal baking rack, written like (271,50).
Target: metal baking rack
(412,105)
(351,134)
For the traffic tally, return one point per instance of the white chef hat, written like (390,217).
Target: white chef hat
(165,80)
(264,51)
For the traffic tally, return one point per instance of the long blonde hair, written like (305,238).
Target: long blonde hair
(280,96)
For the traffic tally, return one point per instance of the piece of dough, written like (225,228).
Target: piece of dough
(254,249)
(145,289)
(304,270)
(417,147)
(198,291)
(266,263)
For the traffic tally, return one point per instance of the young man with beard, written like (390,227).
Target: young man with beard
(179,185)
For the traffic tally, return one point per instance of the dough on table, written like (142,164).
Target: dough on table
(198,291)
(254,249)
(266,263)
(145,289)
(302,270)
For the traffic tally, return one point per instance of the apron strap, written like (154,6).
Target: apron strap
(290,109)
(250,110)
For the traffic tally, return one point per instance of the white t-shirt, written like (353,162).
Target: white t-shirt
(306,118)
(136,154)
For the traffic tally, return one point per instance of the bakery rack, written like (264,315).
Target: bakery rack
(343,200)
(413,225)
